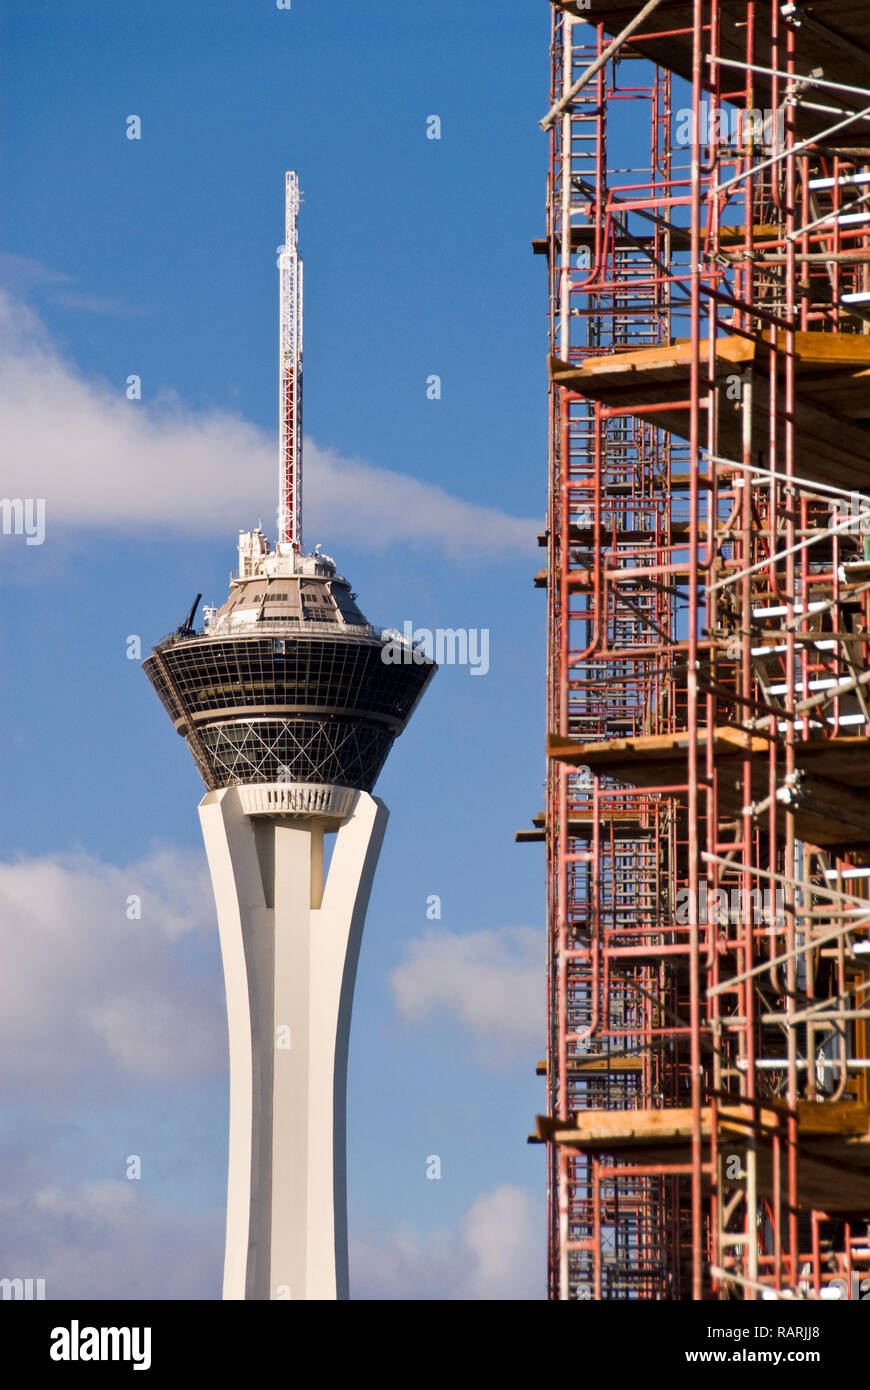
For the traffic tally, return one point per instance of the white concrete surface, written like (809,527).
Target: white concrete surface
(290,944)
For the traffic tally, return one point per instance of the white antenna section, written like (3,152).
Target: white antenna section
(290,408)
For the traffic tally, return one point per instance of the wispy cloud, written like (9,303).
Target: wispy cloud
(109,1239)
(496,1252)
(487,981)
(96,1003)
(83,985)
(102,461)
(24,271)
(90,303)
(112,1238)
(22,275)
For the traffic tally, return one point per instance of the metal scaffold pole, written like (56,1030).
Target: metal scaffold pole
(708,590)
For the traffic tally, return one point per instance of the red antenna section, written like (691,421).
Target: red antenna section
(290,278)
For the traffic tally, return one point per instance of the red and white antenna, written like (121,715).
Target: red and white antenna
(290,279)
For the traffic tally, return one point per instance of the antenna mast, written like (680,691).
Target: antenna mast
(290,279)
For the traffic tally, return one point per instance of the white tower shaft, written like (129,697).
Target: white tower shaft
(290,942)
(290,394)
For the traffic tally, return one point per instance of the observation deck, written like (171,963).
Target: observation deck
(288,682)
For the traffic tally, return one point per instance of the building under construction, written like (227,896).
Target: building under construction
(708,580)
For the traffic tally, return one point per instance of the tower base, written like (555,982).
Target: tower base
(290,938)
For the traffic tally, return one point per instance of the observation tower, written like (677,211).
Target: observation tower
(289,701)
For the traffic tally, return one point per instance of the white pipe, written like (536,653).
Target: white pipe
(612,48)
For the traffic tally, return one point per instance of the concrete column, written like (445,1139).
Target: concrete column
(290,944)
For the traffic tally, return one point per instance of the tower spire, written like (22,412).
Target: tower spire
(290,395)
(289,701)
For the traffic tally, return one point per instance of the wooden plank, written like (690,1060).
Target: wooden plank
(844,350)
(833,1117)
(831,810)
(629,821)
(845,760)
(616,752)
(731,351)
(761,231)
(605,1064)
(838,1118)
(834,1164)
(832,406)
(611,1128)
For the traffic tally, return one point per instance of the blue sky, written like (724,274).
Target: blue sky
(157,257)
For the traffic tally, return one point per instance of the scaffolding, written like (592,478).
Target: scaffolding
(708,571)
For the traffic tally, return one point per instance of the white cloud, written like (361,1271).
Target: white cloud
(82,985)
(498,1252)
(113,1239)
(490,981)
(110,1239)
(24,271)
(93,1005)
(102,461)
(22,275)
